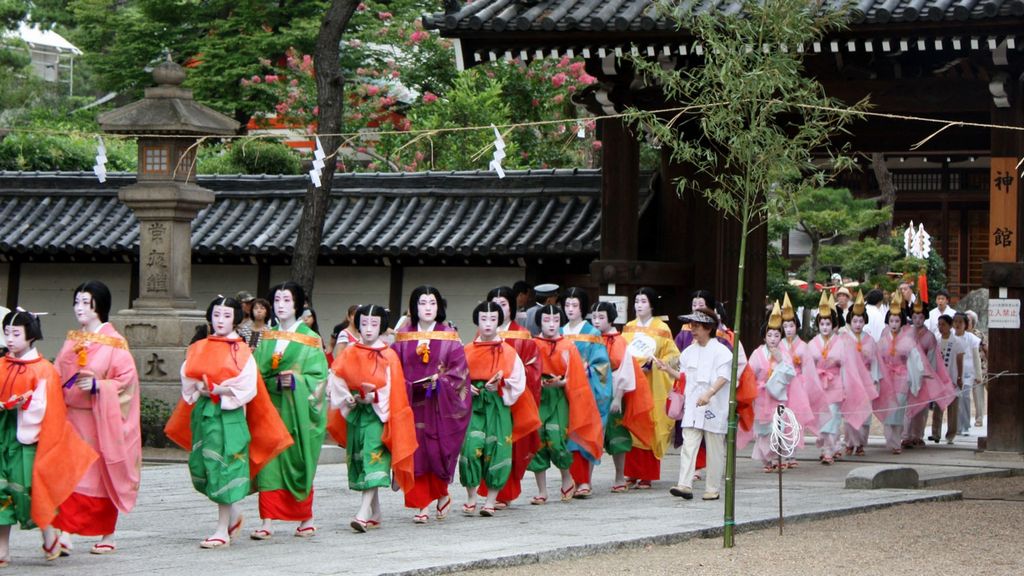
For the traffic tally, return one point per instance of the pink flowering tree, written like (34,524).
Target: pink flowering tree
(404,96)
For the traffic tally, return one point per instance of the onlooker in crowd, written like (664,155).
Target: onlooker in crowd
(951,349)
(981,374)
(972,358)
(942,308)
(260,318)
(876,309)
(245,327)
(545,294)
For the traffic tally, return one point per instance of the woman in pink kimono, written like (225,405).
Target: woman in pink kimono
(867,347)
(843,378)
(796,352)
(777,385)
(101,390)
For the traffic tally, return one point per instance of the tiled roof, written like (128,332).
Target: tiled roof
(640,15)
(470,214)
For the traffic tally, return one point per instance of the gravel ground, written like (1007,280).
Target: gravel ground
(980,535)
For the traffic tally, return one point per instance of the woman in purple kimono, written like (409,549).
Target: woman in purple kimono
(436,378)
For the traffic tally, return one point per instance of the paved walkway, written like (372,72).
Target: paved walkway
(162,535)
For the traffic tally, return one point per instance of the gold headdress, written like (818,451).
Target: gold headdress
(858,304)
(787,309)
(775,318)
(918,306)
(896,304)
(825,304)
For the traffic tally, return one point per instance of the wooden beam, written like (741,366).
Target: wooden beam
(916,96)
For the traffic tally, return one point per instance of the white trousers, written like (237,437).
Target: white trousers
(715,444)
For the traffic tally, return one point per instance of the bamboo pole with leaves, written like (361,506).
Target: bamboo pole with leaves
(758,131)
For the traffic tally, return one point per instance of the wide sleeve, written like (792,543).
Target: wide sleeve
(239,390)
(189,386)
(31,414)
(338,392)
(515,383)
(382,399)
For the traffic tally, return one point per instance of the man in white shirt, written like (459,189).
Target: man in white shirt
(876,313)
(942,307)
(952,350)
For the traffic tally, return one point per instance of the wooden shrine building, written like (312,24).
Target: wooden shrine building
(951,60)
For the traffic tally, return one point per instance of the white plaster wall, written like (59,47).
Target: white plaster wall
(210,280)
(338,287)
(462,287)
(47,288)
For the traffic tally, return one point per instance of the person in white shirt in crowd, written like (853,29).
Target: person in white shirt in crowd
(972,359)
(942,308)
(876,310)
(981,371)
(951,350)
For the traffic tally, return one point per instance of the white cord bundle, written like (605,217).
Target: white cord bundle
(786,432)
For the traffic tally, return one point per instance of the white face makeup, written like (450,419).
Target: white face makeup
(698,302)
(642,306)
(789,328)
(571,306)
(222,319)
(369,328)
(84,310)
(599,319)
(426,308)
(487,323)
(505,308)
(284,307)
(772,338)
(857,324)
(895,323)
(825,327)
(17,344)
(549,325)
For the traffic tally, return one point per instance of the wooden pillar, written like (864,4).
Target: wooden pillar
(1004,277)
(620,200)
(263,278)
(13,283)
(395,291)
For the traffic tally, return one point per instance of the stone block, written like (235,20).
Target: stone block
(882,476)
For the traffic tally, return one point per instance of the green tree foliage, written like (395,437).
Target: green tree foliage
(755,128)
(832,214)
(402,78)
(56,138)
(249,157)
(220,41)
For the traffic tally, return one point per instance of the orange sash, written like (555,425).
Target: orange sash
(485,359)
(652,332)
(359,363)
(434,335)
(62,457)
(213,357)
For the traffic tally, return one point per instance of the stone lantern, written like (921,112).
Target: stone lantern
(165,200)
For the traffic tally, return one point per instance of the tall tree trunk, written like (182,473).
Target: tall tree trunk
(330,91)
(888,200)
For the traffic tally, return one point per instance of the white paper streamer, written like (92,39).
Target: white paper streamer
(318,163)
(100,169)
(499,153)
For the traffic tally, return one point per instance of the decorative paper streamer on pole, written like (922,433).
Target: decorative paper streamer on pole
(581,131)
(318,163)
(499,153)
(100,169)
(922,243)
(784,438)
(908,239)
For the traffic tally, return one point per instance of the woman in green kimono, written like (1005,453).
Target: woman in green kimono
(291,360)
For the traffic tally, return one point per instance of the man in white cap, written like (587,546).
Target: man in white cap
(545,294)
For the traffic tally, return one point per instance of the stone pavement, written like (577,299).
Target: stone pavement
(162,535)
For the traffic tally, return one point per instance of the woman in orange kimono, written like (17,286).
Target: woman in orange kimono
(371,416)
(631,396)
(225,419)
(567,409)
(42,458)
(101,390)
